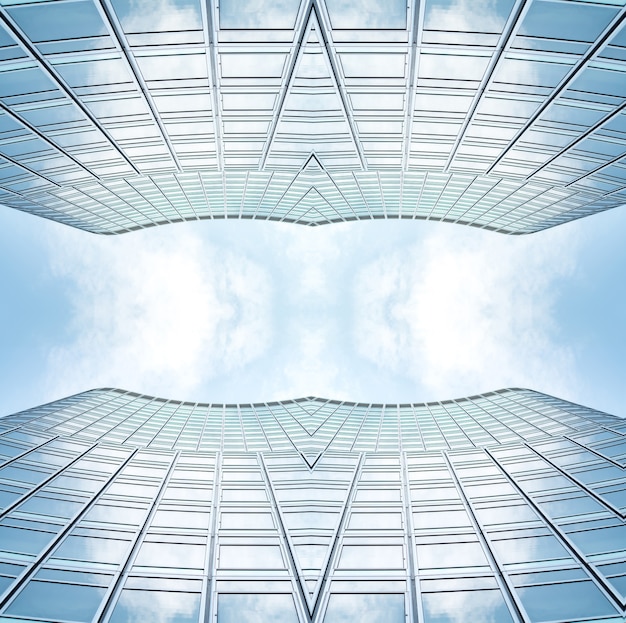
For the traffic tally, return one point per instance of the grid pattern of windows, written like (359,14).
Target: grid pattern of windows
(507,115)
(508,507)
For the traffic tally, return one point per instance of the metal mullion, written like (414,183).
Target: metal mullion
(27,574)
(210,32)
(415,42)
(562,86)
(508,592)
(108,602)
(382,194)
(569,547)
(515,18)
(414,591)
(44,138)
(209,604)
(59,82)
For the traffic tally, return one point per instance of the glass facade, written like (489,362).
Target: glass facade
(508,115)
(503,507)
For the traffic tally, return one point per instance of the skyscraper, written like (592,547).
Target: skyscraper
(507,506)
(120,114)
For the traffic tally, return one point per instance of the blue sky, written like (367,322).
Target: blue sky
(240,311)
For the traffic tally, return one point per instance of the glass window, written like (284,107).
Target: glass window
(52,600)
(372,557)
(311,556)
(25,541)
(356,14)
(59,20)
(358,608)
(246,521)
(310,519)
(375,521)
(601,540)
(529,549)
(176,555)
(450,519)
(94,549)
(250,557)
(564,602)
(239,608)
(161,606)
(462,606)
(253,14)
(450,555)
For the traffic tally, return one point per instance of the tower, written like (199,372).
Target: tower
(506,506)
(507,116)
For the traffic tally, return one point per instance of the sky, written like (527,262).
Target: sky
(252,311)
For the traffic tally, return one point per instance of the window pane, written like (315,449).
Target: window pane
(235,608)
(462,606)
(574,600)
(371,608)
(51,600)
(251,557)
(161,606)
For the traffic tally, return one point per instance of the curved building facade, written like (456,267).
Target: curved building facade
(508,115)
(503,507)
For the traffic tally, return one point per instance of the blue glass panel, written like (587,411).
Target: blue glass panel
(343,608)
(59,20)
(161,606)
(462,606)
(359,14)
(172,15)
(602,540)
(564,602)
(258,13)
(25,541)
(469,17)
(554,20)
(238,608)
(51,600)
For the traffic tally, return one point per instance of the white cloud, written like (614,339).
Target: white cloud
(157,312)
(468,311)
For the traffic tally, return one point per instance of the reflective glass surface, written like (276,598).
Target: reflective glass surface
(338,511)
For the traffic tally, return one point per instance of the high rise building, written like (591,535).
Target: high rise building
(508,115)
(507,506)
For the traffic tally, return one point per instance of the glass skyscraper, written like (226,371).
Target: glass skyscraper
(508,115)
(502,507)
